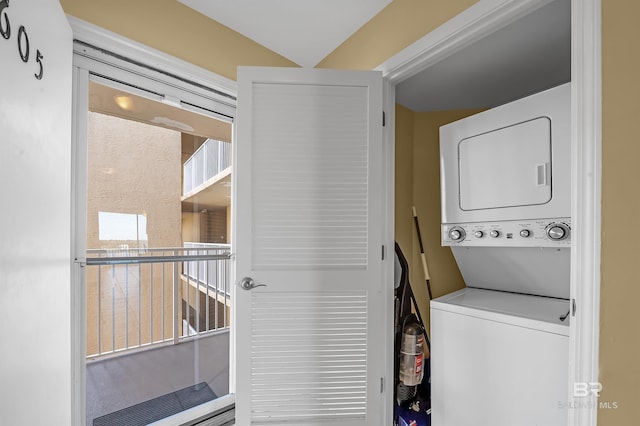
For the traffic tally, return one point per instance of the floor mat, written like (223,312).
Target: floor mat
(158,408)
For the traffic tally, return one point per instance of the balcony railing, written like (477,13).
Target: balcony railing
(212,274)
(210,159)
(144,297)
(210,277)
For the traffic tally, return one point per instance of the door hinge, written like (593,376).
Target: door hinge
(383,252)
(573,307)
(384,119)
(381,384)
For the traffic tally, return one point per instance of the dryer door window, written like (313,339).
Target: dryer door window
(507,167)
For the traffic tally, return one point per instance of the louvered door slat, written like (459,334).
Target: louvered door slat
(325,372)
(318,160)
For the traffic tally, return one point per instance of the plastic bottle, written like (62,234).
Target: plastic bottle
(412,355)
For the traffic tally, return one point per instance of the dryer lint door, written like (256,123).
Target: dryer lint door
(507,167)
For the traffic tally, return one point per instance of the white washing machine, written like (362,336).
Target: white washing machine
(499,348)
(498,359)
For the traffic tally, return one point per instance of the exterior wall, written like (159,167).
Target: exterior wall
(209,227)
(191,227)
(619,337)
(215,225)
(133,168)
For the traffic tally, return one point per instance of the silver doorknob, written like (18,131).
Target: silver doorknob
(248,283)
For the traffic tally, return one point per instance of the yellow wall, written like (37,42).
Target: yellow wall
(417,183)
(404,180)
(445,275)
(171,27)
(397,26)
(620,292)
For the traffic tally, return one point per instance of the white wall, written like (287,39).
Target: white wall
(35,260)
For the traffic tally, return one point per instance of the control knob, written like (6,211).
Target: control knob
(525,233)
(494,233)
(557,231)
(457,234)
(479,234)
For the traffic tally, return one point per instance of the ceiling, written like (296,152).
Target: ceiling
(213,194)
(302,31)
(111,101)
(525,57)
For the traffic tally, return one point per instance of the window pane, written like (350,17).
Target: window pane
(158,194)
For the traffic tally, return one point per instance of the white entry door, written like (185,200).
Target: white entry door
(35,218)
(309,228)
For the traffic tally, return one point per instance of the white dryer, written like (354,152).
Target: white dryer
(499,348)
(512,162)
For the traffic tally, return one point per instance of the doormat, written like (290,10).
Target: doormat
(158,408)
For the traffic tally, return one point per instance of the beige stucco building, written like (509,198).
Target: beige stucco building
(134,208)
(133,204)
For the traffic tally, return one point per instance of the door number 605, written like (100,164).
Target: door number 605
(23,39)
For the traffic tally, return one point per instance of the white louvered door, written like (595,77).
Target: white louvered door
(309,225)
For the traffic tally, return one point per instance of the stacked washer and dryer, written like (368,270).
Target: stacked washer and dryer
(499,347)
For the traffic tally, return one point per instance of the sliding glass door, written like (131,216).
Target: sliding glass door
(156,208)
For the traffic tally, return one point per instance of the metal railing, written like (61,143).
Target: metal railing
(210,159)
(210,277)
(146,297)
(209,273)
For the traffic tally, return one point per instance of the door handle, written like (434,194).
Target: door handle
(248,283)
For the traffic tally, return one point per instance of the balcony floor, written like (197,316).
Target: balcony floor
(122,381)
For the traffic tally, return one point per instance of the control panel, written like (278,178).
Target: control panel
(527,233)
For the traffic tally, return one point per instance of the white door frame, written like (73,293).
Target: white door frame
(483,18)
